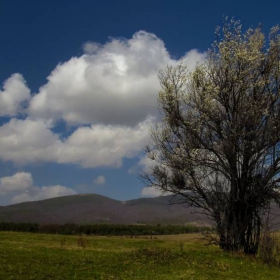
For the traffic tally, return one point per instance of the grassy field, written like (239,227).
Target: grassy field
(40,256)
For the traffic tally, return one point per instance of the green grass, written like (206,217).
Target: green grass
(41,256)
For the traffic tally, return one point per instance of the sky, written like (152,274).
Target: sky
(79,85)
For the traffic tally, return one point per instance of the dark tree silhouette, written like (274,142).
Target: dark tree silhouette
(217,145)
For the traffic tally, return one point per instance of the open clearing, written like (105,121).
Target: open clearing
(42,256)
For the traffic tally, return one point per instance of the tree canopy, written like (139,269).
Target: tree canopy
(217,144)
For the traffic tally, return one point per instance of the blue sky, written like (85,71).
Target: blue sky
(79,86)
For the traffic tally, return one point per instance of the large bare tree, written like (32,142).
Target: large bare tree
(217,145)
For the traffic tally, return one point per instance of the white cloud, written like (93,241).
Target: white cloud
(192,58)
(150,192)
(114,83)
(153,192)
(26,141)
(20,181)
(112,87)
(36,193)
(15,93)
(91,48)
(100,180)
(22,188)
(145,164)
(101,145)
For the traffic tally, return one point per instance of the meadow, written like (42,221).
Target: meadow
(52,256)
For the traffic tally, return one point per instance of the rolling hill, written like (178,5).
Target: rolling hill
(93,208)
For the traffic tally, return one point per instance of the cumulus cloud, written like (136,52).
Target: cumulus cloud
(15,93)
(145,164)
(153,192)
(26,141)
(101,145)
(36,193)
(91,48)
(192,58)
(100,180)
(22,188)
(114,83)
(150,192)
(20,181)
(110,95)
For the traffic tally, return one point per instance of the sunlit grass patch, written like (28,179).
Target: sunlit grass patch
(42,256)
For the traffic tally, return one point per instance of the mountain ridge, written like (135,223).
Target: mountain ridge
(95,208)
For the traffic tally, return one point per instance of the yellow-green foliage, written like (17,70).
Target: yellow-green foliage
(40,256)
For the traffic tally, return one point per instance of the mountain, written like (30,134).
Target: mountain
(93,208)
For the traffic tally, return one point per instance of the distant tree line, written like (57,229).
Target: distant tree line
(102,229)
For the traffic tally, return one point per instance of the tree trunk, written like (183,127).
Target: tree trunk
(240,229)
